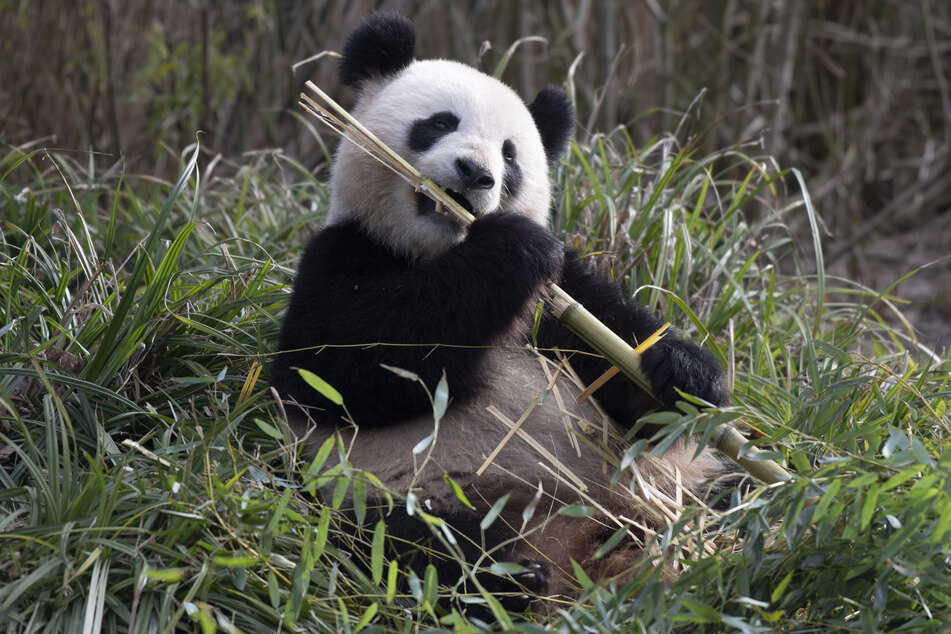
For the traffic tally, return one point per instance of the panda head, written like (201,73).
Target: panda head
(467,131)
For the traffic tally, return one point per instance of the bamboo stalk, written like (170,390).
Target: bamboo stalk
(573,315)
(725,439)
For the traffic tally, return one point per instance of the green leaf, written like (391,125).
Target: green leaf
(828,498)
(441,398)
(321,386)
(421,446)
(340,492)
(943,524)
(391,578)
(703,612)
(581,576)
(611,543)
(506,568)
(273,592)
(901,477)
(376,552)
(430,586)
(360,498)
(457,490)
(105,362)
(493,513)
(168,575)
(868,506)
(322,454)
(780,589)
(400,372)
(367,617)
(841,356)
(529,511)
(235,562)
(576,510)
(323,531)
(268,429)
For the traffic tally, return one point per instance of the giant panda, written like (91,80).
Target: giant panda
(388,283)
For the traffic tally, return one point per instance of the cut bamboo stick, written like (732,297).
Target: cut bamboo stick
(725,438)
(573,315)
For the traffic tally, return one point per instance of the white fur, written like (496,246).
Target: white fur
(489,111)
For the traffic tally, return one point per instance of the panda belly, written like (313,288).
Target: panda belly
(470,432)
(560,460)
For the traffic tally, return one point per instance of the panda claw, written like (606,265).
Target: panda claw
(534,577)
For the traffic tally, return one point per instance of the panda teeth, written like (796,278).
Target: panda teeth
(462,200)
(427,205)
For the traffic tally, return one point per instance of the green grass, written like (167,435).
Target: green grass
(147,481)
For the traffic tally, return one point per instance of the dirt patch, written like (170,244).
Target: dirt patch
(886,258)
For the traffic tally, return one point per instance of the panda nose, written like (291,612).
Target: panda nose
(473,176)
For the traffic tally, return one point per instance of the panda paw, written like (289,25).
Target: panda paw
(516,592)
(520,244)
(674,364)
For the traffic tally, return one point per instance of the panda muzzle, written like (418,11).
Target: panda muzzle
(426,205)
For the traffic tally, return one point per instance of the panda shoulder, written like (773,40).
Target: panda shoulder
(341,247)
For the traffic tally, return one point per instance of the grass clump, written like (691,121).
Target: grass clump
(149,483)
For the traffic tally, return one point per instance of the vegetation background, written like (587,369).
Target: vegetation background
(147,482)
(854,92)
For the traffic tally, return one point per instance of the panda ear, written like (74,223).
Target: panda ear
(555,119)
(383,44)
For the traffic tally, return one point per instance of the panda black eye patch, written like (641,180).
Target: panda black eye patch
(508,151)
(512,180)
(425,132)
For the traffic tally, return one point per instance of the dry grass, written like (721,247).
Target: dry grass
(854,93)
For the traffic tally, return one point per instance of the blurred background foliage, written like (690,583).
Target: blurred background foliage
(855,92)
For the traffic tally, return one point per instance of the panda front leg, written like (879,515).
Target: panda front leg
(443,314)
(670,364)
(414,544)
(465,299)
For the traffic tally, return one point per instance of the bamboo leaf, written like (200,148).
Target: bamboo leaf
(368,616)
(421,446)
(322,387)
(268,429)
(576,510)
(359,498)
(441,398)
(493,513)
(391,578)
(780,589)
(457,490)
(611,543)
(376,552)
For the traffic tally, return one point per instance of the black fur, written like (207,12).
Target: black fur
(555,119)
(383,44)
(372,307)
(412,542)
(425,132)
(512,180)
(671,363)
(352,292)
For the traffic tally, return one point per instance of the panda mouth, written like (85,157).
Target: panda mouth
(426,205)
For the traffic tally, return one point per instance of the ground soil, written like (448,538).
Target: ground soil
(886,258)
